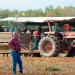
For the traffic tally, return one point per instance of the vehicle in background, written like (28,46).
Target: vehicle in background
(49,45)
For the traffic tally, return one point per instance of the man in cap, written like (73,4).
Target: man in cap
(15,46)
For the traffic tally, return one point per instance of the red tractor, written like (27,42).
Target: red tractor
(51,45)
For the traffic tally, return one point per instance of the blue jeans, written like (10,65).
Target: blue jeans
(60,35)
(16,59)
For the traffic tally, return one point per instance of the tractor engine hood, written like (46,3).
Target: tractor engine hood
(69,33)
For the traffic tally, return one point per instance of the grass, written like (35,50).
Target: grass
(52,68)
(1,68)
(7,65)
(39,72)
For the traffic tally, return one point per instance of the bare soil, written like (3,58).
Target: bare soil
(38,65)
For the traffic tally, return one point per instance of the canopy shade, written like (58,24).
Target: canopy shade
(45,19)
(39,19)
(8,19)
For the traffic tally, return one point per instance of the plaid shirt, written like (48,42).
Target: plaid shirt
(15,44)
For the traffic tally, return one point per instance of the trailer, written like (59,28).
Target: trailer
(24,39)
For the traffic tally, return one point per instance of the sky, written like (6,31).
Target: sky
(24,5)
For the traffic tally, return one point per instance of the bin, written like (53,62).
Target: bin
(66,26)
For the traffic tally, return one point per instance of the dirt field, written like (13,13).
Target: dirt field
(39,65)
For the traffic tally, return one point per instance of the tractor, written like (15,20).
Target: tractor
(50,45)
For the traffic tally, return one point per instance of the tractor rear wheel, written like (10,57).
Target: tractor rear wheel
(48,46)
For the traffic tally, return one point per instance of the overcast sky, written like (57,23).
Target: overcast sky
(33,4)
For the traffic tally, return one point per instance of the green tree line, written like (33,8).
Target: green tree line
(67,11)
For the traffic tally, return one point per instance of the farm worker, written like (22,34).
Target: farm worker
(40,30)
(13,29)
(56,29)
(6,30)
(22,31)
(36,39)
(15,46)
(28,32)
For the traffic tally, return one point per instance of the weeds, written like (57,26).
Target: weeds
(1,68)
(7,65)
(52,69)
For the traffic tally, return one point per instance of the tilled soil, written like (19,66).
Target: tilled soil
(39,65)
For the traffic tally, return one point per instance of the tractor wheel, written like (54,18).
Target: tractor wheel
(48,46)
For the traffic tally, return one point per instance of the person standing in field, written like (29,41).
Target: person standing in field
(36,39)
(15,46)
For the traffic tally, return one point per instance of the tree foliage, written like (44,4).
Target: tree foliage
(49,11)
(67,11)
